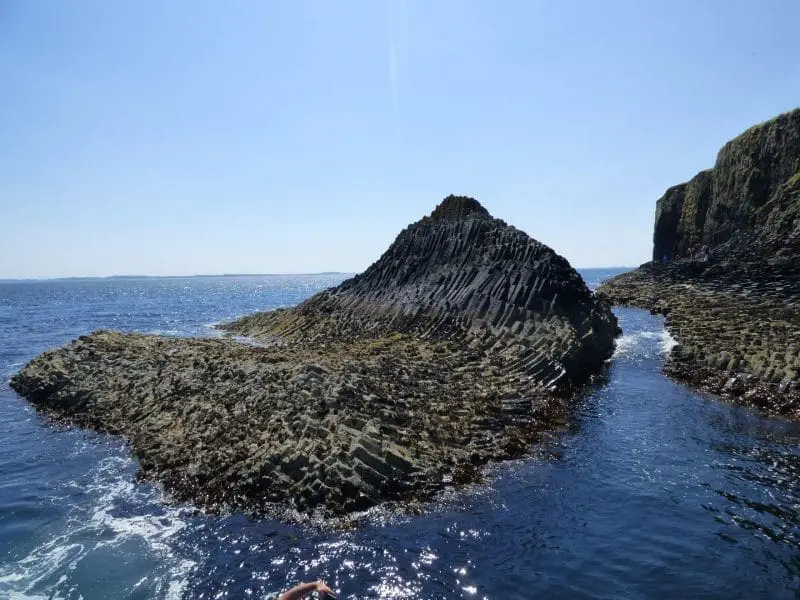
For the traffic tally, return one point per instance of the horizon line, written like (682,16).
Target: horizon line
(196,275)
(201,275)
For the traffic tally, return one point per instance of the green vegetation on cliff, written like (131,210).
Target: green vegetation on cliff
(736,312)
(744,192)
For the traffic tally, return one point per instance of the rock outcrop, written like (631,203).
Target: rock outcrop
(461,275)
(735,312)
(744,191)
(461,344)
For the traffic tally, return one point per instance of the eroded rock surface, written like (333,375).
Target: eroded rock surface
(736,315)
(458,346)
(745,191)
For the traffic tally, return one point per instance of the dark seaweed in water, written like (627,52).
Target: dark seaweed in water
(654,491)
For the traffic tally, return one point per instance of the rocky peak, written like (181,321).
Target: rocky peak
(458,207)
(462,274)
(457,346)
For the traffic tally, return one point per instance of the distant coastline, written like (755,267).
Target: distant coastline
(134,277)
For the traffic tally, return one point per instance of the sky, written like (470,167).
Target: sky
(192,137)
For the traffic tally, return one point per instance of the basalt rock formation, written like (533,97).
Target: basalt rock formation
(461,344)
(746,191)
(735,312)
(461,275)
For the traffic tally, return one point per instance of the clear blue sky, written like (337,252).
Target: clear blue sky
(150,137)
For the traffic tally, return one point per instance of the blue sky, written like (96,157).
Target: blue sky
(206,137)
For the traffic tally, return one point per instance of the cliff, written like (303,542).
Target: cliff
(460,345)
(744,192)
(736,312)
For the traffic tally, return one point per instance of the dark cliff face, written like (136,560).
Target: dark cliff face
(668,216)
(745,191)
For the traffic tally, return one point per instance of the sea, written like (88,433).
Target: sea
(653,490)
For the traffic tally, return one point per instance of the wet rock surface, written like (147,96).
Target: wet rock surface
(460,345)
(737,326)
(735,313)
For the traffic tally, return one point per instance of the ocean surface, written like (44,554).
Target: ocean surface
(653,491)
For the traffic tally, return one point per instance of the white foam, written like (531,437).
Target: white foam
(667,342)
(96,527)
(625,344)
(644,343)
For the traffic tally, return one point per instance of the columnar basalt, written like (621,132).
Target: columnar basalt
(462,343)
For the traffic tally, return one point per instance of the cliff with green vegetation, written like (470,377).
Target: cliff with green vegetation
(735,309)
(749,191)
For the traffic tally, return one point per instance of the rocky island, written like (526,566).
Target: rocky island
(461,343)
(726,271)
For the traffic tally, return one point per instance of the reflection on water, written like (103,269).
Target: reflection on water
(651,491)
(772,508)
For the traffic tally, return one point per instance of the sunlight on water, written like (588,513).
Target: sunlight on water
(100,527)
(651,490)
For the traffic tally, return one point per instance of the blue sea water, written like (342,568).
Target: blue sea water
(652,491)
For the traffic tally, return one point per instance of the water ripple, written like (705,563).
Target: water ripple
(651,491)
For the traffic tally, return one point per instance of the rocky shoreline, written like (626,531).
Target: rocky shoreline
(738,329)
(734,308)
(463,343)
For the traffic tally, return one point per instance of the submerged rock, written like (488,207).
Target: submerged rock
(734,306)
(461,343)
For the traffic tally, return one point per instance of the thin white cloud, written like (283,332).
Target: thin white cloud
(397,37)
